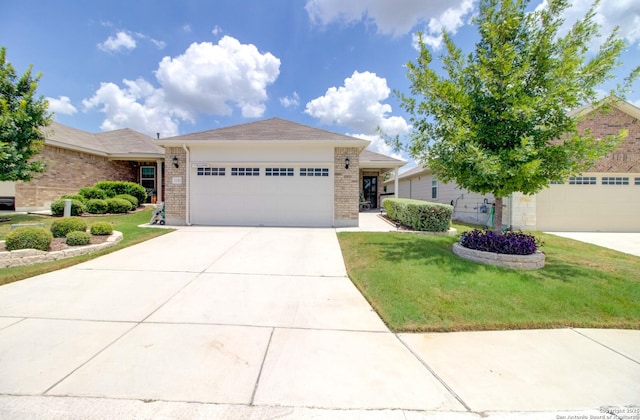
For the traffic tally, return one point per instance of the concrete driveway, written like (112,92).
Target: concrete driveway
(264,322)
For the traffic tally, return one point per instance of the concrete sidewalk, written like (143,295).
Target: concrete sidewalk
(629,243)
(263,322)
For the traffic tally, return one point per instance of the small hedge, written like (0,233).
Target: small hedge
(118,205)
(134,201)
(97,206)
(101,228)
(419,215)
(114,188)
(60,228)
(92,193)
(77,238)
(511,243)
(57,207)
(28,237)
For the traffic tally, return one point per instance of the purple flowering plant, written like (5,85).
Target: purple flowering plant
(512,243)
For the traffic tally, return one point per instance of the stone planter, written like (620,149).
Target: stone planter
(520,262)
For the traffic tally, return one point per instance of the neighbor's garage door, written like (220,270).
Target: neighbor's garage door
(605,203)
(261,195)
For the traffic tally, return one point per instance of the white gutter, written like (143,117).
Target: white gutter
(187,185)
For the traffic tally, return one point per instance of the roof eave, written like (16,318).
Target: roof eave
(359,143)
(75,148)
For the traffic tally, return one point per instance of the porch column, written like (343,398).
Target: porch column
(395,183)
(159,180)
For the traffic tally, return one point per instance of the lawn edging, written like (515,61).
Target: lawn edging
(22,257)
(520,262)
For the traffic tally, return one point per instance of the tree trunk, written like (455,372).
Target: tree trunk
(497,215)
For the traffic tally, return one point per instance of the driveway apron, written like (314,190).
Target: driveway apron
(249,316)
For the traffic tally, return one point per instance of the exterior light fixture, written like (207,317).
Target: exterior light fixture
(346,162)
(175,162)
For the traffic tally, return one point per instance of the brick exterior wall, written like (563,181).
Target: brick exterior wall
(175,193)
(346,188)
(66,172)
(627,156)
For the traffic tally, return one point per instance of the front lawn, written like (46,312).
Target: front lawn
(416,283)
(125,223)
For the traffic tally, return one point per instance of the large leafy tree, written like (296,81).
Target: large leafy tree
(22,119)
(497,120)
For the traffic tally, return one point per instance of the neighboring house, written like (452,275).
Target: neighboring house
(607,198)
(270,173)
(76,159)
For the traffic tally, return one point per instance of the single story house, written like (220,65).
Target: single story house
(76,159)
(606,198)
(270,173)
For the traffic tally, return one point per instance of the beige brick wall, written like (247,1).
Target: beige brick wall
(175,186)
(346,188)
(627,156)
(66,172)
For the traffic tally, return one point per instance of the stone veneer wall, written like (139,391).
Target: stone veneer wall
(66,172)
(346,189)
(175,186)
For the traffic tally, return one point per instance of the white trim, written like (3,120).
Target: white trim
(187,186)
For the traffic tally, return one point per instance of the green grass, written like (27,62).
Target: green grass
(127,224)
(416,283)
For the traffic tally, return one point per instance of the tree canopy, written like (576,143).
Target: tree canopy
(22,118)
(497,121)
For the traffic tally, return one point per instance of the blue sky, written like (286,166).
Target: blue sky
(178,67)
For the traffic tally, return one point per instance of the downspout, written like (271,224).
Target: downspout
(395,183)
(187,185)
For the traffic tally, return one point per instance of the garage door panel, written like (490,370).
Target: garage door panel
(262,200)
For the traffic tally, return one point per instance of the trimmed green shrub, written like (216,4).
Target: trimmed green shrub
(74,197)
(92,193)
(419,215)
(28,237)
(57,207)
(113,188)
(101,228)
(134,201)
(60,228)
(77,238)
(97,206)
(118,205)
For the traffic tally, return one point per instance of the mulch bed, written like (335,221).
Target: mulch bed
(58,244)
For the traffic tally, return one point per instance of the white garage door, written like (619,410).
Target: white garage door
(249,195)
(598,202)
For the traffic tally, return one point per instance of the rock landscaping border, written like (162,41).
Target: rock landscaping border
(520,262)
(22,257)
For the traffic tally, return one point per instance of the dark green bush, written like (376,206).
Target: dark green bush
(101,228)
(57,207)
(97,206)
(78,238)
(60,228)
(419,215)
(113,188)
(118,205)
(91,193)
(134,201)
(28,237)
(74,197)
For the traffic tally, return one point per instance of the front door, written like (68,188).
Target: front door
(370,190)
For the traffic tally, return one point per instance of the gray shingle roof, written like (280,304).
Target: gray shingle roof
(371,157)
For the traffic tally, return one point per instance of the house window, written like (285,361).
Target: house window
(434,188)
(582,180)
(615,180)
(637,181)
(278,172)
(556,183)
(314,171)
(206,171)
(245,171)
(148,177)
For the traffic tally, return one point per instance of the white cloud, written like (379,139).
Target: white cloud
(216,30)
(358,105)
(186,28)
(159,44)
(450,20)
(61,105)
(121,41)
(378,145)
(207,78)
(396,17)
(288,101)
